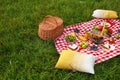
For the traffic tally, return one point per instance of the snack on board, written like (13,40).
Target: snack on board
(70,37)
(85,37)
(82,38)
(107,46)
(73,46)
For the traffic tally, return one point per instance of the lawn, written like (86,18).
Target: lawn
(24,56)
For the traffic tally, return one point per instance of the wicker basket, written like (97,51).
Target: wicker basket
(50,28)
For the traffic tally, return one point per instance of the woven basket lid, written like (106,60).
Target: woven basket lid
(50,23)
(50,28)
(46,26)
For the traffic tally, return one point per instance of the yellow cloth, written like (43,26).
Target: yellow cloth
(65,59)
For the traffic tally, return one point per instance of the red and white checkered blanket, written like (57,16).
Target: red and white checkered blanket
(102,54)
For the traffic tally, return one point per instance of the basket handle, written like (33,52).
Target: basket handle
(103,29)
(48,16)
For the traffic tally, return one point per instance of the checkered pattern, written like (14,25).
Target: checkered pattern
(101,54)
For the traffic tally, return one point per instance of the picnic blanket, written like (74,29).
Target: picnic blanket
(101,54)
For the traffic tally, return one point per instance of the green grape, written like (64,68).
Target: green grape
(70,38)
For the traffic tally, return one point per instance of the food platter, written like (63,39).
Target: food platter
(101,53)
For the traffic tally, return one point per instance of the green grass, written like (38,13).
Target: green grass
(24,56)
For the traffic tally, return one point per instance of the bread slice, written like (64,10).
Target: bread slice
(73,47)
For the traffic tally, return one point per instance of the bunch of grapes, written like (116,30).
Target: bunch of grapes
(70,38)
